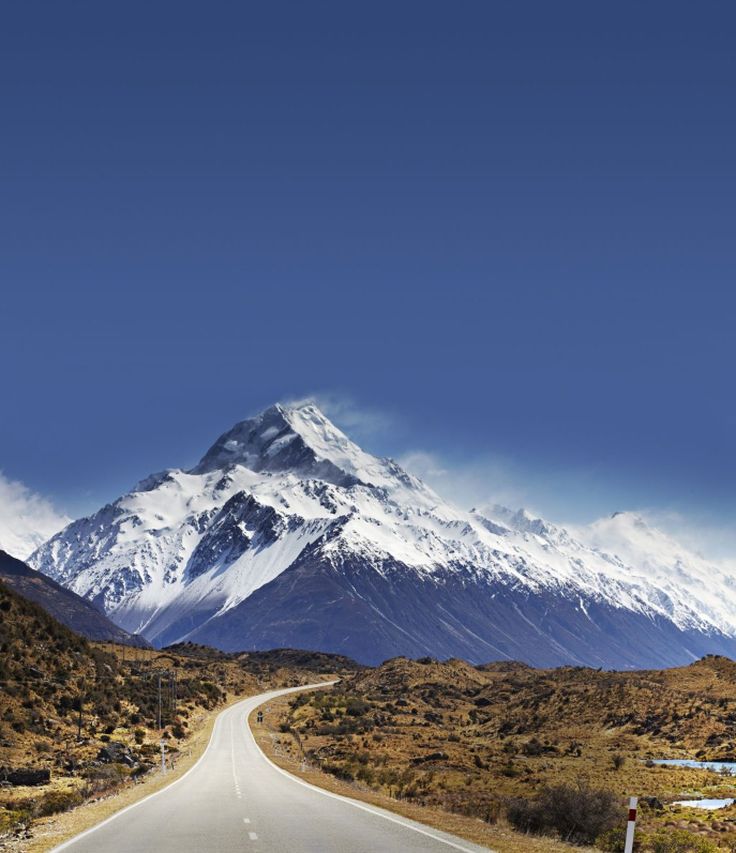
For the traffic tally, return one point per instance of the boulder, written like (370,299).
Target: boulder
(116,753)
(25,776)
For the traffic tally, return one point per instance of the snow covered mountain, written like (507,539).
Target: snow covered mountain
(288,534)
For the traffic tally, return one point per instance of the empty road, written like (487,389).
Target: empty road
(234,799)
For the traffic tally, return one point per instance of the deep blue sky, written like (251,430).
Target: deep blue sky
(509,225)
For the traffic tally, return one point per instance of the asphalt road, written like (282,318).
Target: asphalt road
(235,799)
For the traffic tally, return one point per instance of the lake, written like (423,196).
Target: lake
(705,804)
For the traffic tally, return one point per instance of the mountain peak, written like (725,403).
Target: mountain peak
(521,519)
(629,518)
(297,438)
(294,535)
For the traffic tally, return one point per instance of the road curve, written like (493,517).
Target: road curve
(235,799)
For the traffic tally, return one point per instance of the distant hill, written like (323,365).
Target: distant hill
(66,606)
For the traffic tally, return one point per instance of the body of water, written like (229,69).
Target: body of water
(705,804)
(718,766)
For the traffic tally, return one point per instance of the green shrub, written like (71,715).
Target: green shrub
(612,840)
(679,841)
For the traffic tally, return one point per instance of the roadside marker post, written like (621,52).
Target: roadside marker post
(631,825)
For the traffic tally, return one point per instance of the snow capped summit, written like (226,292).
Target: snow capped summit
(521,520)
(300,439)
(288,533)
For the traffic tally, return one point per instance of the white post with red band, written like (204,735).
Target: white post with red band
(631,826)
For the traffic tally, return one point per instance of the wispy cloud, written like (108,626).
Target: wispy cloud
(357,420)
(27,519)
(478,482)
(696,532)
(561,497)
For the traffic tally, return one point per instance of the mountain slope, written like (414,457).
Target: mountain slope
(350,607)
(288,533)
(73,611)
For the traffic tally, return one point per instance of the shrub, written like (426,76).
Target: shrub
(57,801)
(532,747)
(612,840)
(679,841)
(578,814)
(13,819)
(357,707)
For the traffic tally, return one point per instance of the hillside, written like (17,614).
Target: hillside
(67,607)
(479,740)
(84,717)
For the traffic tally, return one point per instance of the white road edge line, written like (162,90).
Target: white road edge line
(405,822)
(273,694)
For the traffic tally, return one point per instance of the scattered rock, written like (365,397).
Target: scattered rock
(116,753)
(432,756)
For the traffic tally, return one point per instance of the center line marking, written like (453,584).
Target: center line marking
(246,820)
(252,836)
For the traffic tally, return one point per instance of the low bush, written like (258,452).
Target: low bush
(12,819)
(679,841)
(57,801)
(612,840)
(577,814)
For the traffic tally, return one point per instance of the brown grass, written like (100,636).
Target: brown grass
(455,738)
(283,750)
(51,831)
